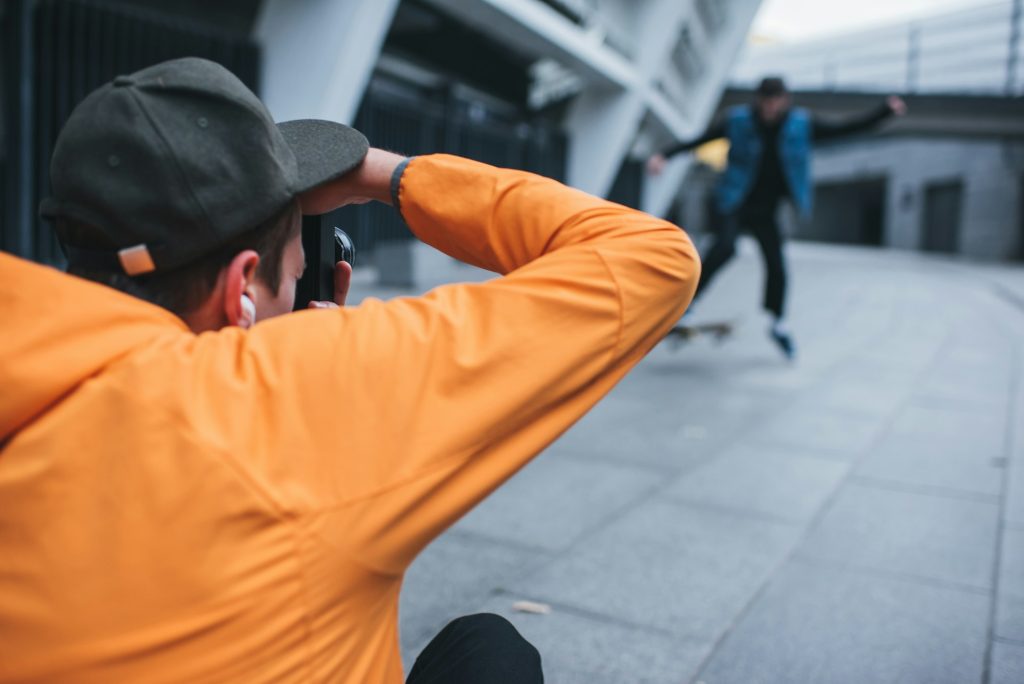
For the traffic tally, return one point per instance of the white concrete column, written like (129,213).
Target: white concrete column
(602,122)
(531,27)
(723,47)
(601,126)
(658,192)
(318,55)
(659,25)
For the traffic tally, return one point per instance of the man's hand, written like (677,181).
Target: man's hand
(656,164)
(342,280)
(371,180)
(897,105)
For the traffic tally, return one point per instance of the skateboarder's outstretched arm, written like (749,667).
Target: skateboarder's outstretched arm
(714,132)
(657,162)
(827,130)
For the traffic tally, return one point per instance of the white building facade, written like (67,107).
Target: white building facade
(950,177)
(633,74)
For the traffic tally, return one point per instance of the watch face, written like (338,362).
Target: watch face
(344,248)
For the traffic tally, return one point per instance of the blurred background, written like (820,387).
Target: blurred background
(580,90)
(723,516)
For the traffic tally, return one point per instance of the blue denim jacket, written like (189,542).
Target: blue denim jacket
(745,158)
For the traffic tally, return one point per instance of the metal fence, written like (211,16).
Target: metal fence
(422,122)
(57,51)
(54,53)
(971,51)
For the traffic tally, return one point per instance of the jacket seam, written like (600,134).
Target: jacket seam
(618,295)
(307,614)
(466,454)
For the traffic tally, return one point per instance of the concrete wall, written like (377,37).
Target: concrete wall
(645,72)
(319,55)
(991,171)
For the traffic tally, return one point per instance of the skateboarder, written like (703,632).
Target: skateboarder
(769,160)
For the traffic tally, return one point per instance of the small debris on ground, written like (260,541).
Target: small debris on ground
(531,607)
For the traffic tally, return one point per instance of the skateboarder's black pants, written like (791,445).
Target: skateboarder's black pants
(478,648)
(761,223)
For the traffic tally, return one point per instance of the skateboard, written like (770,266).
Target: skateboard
(683,332)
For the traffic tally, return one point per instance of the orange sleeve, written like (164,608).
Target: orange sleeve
(388,421)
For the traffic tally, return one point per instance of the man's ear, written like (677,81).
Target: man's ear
(238,278)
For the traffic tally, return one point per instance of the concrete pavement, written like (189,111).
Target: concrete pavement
(725,516)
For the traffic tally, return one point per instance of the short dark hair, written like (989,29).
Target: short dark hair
(183,290)
(772,86)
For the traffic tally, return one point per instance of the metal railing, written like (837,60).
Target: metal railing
(56,52)
(415,121)
(971,51)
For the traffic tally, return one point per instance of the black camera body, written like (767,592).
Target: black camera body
(324,245)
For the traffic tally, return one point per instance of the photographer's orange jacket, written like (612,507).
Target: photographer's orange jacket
(242,505)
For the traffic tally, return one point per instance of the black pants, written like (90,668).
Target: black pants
(482,649)
(762,225)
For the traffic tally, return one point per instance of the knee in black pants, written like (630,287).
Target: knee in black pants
(482,648)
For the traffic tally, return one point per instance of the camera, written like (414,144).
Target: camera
(324,245)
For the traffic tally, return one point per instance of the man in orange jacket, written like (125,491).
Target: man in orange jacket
(195,488)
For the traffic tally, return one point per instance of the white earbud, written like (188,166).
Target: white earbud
(248,312)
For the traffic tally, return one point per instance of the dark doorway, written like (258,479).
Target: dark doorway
(851,212)
(940,229)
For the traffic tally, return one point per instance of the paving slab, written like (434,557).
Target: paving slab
(533,510)
(632,433)
(828,626)
(1011,563)
(1010,618)
(655,418)
(987,385)
(676,568)
(930,461)
(937,537)
(827,431)
(1007,664)
(590,650)
(857,392)
(669,528)
(1013,512)
(774,482)
(979,430)
(453,576)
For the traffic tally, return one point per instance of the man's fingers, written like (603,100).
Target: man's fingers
(342,281)
(897,105)
(655,165)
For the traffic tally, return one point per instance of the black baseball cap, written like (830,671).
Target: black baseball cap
(177,159)
(772,86)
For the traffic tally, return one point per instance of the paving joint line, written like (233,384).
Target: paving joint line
(1010,642)
(922,490)
(885,573)
(825,507)
(643,498)
(514,544)
(1012,435)
(733,511)
(586,613)
(1008,295)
